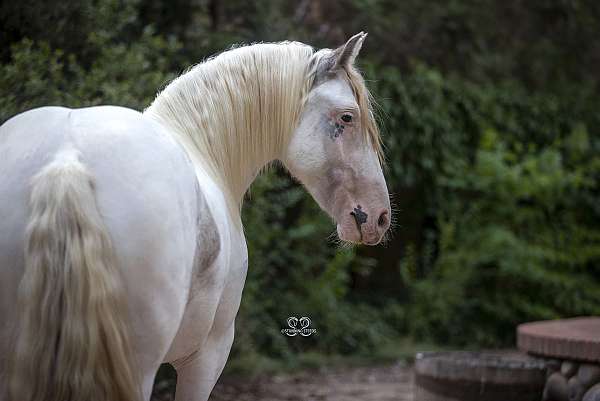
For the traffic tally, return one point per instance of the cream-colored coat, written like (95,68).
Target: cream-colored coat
(166,215)
(181,259)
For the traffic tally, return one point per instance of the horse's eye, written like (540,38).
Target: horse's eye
(346,118)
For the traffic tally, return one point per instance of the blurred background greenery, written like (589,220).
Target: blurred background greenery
(490,112)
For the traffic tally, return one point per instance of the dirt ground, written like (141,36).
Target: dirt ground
(381,383)
(375,383)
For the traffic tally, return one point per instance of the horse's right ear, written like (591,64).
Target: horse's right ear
(346,55)
(340,58)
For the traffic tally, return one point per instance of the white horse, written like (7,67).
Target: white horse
(121,244)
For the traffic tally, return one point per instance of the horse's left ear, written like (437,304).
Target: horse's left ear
(346,54)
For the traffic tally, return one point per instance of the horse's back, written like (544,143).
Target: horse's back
(145,192)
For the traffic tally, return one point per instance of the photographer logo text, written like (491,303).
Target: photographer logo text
(298,326)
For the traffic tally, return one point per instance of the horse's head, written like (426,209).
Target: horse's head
(335,150)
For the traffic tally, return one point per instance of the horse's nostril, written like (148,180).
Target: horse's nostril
(383,219)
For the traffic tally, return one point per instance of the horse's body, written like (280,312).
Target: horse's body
(180,256)
(120,234)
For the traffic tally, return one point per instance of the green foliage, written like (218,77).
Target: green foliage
(295,272)
(119,72)
(519,238)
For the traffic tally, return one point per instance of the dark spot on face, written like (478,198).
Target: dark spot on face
(359,216)
(338,130)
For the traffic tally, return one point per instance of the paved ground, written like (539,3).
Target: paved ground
(380,383)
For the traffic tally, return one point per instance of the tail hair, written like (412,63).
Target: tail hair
(72,339)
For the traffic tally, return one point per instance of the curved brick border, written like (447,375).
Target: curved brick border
(573,339)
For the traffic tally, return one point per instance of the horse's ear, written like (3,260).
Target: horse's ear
(341,57)
(346,54)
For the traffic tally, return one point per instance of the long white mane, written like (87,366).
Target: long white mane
(240,108)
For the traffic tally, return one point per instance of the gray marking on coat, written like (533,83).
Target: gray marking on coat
(208,245)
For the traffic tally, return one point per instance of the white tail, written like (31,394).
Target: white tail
(72,341)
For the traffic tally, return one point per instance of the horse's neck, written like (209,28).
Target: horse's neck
(233,175)
(234,114)
(234,152)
